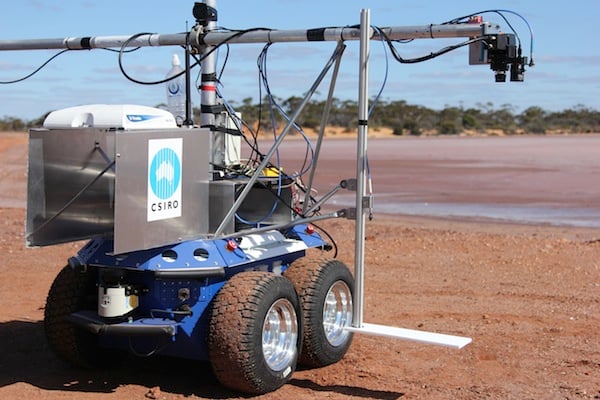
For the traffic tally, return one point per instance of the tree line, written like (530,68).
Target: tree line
(404,118)
(410,119)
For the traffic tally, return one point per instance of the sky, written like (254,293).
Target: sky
(565,74)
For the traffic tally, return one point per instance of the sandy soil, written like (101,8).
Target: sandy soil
(529,296)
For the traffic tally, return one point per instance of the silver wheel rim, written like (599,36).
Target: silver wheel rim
(280,335)
(337,313)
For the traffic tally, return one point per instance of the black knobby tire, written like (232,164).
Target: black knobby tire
(325,341)
(242,311)
(75,290)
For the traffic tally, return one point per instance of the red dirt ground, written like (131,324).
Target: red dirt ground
(529,296)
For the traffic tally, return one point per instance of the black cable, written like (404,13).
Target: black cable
(274,106)
(116,51)
(459,19)
(301,215)
(37,70)
(254,144)
(220,74)
(430,56)
(52,58)
(333,242)
(212,50)
(501,14)
(126,75)
(255,154)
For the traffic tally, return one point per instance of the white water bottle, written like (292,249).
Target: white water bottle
(176,91)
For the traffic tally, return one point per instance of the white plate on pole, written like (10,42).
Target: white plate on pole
(440,339)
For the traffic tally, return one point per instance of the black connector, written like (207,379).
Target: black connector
(204,14)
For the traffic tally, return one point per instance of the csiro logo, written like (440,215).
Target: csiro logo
(165,173)
(164,178)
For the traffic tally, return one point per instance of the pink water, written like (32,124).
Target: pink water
(531,179)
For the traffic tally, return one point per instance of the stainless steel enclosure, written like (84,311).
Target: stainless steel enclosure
(89,182)
(268,202)
(61,164)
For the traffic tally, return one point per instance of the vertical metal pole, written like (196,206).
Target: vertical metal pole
(208,86)
(361,166)
(189,117)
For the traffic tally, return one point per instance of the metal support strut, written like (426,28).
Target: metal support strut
(361,175)
(361,162)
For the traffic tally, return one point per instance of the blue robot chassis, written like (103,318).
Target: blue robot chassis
(174,287)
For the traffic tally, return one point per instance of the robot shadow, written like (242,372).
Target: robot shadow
(27,358)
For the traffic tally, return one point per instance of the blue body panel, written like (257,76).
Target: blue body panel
(198,267)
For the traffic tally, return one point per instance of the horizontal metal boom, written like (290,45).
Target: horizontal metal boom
(199,39)
(95,42)
(341,33)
